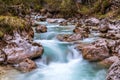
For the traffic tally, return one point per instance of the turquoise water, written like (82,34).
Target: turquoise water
(61,61)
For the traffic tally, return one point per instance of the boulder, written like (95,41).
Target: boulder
(114,72)
(96,51)
(93,53)
(60,20)
(110,29)
(19,49)
(108,61)
(26,65)
(113,34)
(114,47)
(103,28)
(41,29)
(83,31)
(92,22)
(16,44)
(69,37)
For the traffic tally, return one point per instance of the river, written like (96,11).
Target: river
(61,61)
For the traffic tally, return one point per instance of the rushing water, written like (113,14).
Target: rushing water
(61,61)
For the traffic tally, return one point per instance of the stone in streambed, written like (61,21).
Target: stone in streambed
(69,37)
(108,61)
(114,71)
(92,22)
(96,51)
(26,65)
(83,31)
(60,20)
(41,29)
(93,53)
(103,28)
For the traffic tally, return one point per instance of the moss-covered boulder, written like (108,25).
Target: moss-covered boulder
(9,24)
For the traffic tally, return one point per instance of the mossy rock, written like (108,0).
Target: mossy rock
(8,24)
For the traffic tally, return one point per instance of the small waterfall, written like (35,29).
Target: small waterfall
(53,52)
(73,54)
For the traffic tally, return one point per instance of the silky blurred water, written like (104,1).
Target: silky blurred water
(61,61)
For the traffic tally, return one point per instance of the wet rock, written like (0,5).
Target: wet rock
(83,31)
(93,53)
(26,65)
(55,20)
(69,37)
(108,61)
(96,51)
(41,29)
(114,72)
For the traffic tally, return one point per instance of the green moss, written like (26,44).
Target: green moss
(12,22)
(97,6)
(84,10)
(18,6)
(8,24)
(68,8)
(1,34)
